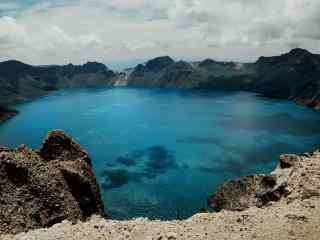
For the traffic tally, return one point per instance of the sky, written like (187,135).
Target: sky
(121,33)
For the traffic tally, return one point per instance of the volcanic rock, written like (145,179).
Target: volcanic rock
(259,190)
(42,188)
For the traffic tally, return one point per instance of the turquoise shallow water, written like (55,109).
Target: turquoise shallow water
(160,153)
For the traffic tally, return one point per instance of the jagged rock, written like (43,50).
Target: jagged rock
(60,146)
(240,194)
(41,188)
(257,190)
(295,178)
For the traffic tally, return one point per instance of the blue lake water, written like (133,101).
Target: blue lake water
(160,153)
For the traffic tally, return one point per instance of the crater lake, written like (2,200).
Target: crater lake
(160,153)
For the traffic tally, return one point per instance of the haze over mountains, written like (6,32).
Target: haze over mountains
(294,75)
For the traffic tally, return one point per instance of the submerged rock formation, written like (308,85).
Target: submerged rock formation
(39,188)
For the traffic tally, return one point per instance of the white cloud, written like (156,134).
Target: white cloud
(122,30)
(12,34)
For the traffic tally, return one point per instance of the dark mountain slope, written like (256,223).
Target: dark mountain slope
(182,74)
(20,81)
(159,63)
(294,75)
(150,73)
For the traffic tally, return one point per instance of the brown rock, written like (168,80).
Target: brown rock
(258,190)
(41,188)
(59,146)
(242,193)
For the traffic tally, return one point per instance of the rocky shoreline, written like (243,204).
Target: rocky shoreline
(295,215)
(6,114)
(47,193)
(54,189)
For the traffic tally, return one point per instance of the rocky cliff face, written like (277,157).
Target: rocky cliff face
(162,72)
(39,188)
(294,76)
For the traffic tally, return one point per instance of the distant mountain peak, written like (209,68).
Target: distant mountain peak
(162,58)
(289,57)
(14,62)
(95,66)
(159,63)
(299,51)
(207,62)
(12,68)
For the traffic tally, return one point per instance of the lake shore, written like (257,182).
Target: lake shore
(6,114)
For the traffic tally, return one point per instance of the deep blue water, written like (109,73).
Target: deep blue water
(160,153)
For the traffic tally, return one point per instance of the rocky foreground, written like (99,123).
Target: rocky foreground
(280,221)
(39,188)
(282,205)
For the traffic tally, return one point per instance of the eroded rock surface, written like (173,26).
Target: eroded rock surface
(39,188)
(260,190)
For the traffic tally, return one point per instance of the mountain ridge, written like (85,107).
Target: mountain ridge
(294,75)
(20,81)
